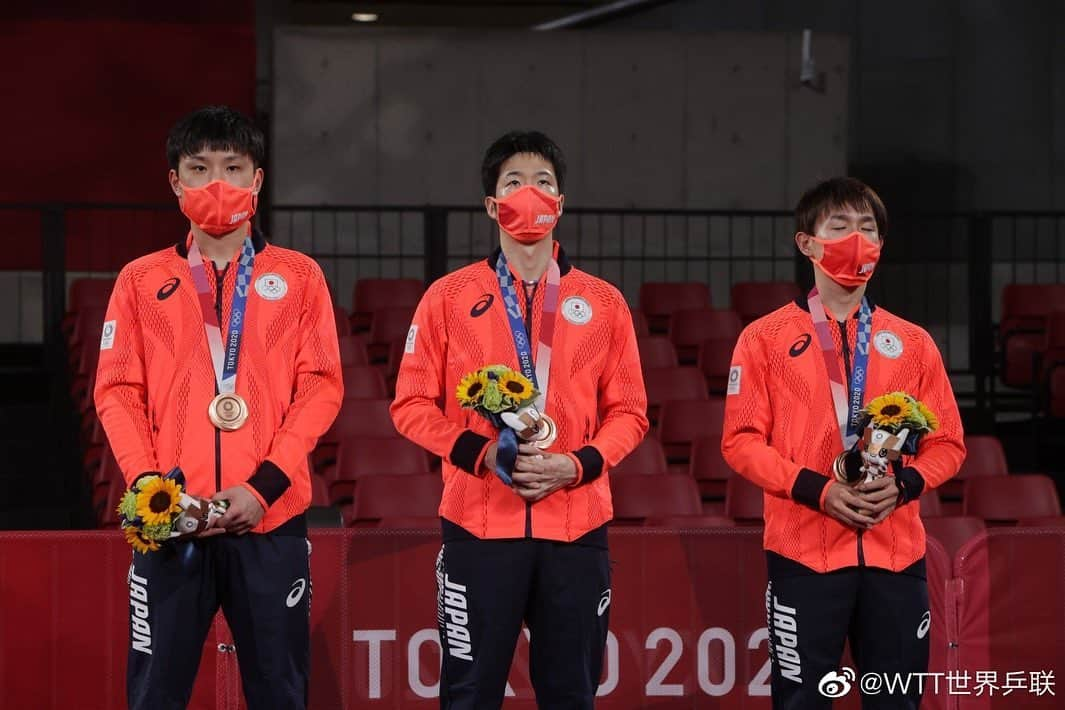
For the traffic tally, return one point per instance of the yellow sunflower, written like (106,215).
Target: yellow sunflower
(471,389)
(158,501)
(929,416)
(516,387)
(140,543)
(890,410)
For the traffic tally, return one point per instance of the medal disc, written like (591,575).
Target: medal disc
(548,438)
(228,412)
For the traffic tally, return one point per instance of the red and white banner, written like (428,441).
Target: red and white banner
(687,623)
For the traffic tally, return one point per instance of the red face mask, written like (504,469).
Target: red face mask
(528,214)
(218,208)
(849,261)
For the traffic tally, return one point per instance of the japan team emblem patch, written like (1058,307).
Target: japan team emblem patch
(887,344)
(271,287)
(734,375)
(107,337)
(576,310)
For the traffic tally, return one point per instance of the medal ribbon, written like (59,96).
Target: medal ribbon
(540,372)
(847,413)
(223,359)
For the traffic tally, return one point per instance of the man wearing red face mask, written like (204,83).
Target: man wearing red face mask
(843,562)
(524,528)
(219,355)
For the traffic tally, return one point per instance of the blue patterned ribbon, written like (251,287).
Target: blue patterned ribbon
(538,372)
(848,412)
(224,360)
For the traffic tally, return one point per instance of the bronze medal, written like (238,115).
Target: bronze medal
(228,412)
(546,438)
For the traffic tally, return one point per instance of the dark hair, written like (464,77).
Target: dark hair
(215,128)
(835,193)
(520,142)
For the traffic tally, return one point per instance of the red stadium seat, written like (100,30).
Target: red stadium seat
(688,329)
(88,325)
(353,351)
(359,457)
(93,443)
(1055,331)
(369,418)
(689,522)
(319,491)
(659,300)
(682,421)
(709,469)
(931,507)
(984,457)
(396,351)
(656,351)
(647,457)
(744,501)
(1056,392)
(364,382)
(639,324)
(715,361)
(84,357)
(107,472)
(754,299)
(1053,365)
(389,325)
(1027,305)
(373,295)
(391,496)
(1045,521)
(1022,331)
(1006,499)
(668,383)
(90,291)
(340,316)
(410,522)
(639,497)
(105,501)
(953,531)
(86,293)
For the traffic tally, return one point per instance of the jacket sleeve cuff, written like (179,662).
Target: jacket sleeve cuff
(577,465)
(590,464)
(910,483)
(480,466)
(469,451)
(808,487)
(269,483)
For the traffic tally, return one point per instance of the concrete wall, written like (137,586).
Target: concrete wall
(697,120)
(954,103)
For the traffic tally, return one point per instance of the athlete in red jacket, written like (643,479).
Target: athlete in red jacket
(221,316)
(536,549)
(843,562)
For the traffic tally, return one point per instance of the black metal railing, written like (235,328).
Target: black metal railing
(945,271)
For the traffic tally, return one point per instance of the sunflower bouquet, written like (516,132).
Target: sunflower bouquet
(493,390)
(893,424)
(507,399)
(157,508)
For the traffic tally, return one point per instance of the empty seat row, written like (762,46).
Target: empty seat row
(750,300)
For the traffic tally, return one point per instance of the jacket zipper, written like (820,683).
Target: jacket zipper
(847,372)
(219,285)
(529,295)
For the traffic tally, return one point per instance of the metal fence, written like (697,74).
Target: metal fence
(944,271)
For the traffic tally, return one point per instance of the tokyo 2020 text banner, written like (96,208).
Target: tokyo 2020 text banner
(687,622)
